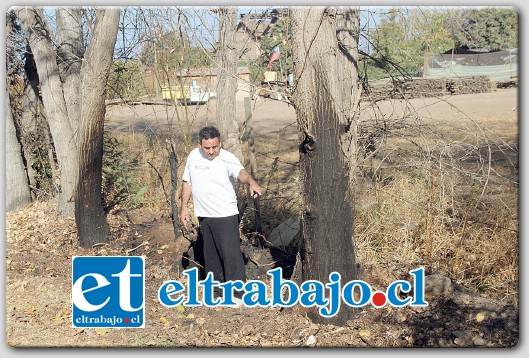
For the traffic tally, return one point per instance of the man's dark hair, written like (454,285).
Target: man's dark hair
(208,133)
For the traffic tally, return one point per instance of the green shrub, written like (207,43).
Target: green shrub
(120,185)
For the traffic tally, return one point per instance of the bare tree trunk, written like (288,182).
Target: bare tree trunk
(71,52)
(227,81)
(89,214)
(53,98)
(324,55)
(17,189)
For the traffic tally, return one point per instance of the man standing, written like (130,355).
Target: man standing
(209,176)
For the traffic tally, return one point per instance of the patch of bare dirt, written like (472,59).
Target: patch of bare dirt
(40,246)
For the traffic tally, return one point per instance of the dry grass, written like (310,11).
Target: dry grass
(444,197)
(415,221)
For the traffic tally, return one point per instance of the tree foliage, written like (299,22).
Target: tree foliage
(404,35)
(490,28)
(120,178)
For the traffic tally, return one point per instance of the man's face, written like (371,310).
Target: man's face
(210,147)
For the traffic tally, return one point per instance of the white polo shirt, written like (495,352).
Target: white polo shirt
(212,183)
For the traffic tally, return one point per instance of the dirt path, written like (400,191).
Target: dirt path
(274,118)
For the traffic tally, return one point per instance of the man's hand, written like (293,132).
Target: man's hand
(246,178)
(184,217)
(255,189)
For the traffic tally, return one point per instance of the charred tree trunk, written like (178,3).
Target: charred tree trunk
(227,81)
(30,117)
(35,133)
(89,213)
(324,54)
(173,166)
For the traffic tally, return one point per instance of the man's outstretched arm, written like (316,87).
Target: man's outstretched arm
(245,178)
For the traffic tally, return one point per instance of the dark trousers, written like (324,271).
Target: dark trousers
(222,248)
